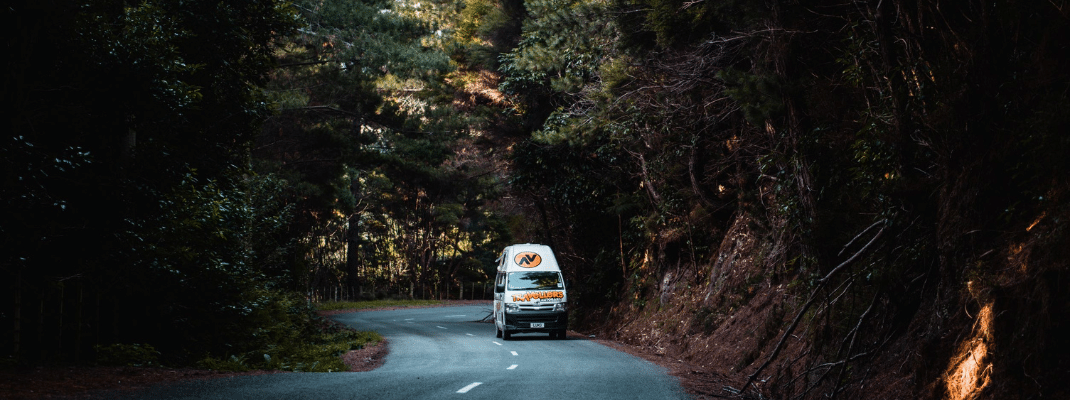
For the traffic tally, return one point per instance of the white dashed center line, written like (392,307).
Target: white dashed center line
(514,353)
(469,334)
(499,344)
(440,327)
(513,366)
(469,387)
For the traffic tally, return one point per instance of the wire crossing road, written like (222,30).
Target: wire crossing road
(439,353)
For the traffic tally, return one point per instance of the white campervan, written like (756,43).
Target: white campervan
(529,292)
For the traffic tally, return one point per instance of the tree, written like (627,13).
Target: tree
(364,137)
(128,123)
(884,157)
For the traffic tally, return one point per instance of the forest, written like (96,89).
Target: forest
(861,199)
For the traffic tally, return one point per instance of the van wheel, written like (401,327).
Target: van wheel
(497,332)
(505,334)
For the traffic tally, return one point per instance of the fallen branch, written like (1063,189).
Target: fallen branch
(810,301)
(850,347)
(849,243)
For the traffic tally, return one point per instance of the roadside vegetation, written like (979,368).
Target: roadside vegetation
(303,342)
(167,204)
(831,187)
(319,347)
(362,305)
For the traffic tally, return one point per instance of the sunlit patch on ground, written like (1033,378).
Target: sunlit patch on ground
(970,370)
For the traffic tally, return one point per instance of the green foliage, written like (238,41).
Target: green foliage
(367,155)
(471,18)
(759,96)
(124,168)
(429,219)
(571,178)
(616,73)
(484,30)
(270,247)
(813,123)
(654,124)
(313,344)
(128,168)
(575,185)
(133,355)
(232,364)
(561,48)
(676,23)
(365,39)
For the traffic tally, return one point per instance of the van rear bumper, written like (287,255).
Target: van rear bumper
(521,321)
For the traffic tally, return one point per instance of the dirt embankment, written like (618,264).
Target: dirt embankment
(714,326)
(710,326)
(983,323)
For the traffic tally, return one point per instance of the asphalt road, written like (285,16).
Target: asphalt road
(441,353)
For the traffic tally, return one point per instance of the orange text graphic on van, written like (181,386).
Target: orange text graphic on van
(539,295)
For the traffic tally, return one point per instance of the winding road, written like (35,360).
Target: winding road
(440,353)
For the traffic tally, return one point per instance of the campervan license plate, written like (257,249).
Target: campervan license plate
(537,324)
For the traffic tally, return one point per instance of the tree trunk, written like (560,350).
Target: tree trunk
(59,323)
(353,263)
(78,323)
(18,313)
(40,326)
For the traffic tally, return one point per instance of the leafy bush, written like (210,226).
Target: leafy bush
(299,341)
(134,355)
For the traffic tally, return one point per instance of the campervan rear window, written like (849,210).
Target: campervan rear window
(532,280)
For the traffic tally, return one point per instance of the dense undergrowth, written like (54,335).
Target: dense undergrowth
(299,340)
(795,197)
(317,348)
(179,180)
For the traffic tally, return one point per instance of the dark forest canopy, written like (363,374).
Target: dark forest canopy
(189,175)
(126,134)
(899,167)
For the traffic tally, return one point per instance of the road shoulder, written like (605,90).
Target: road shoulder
(367,358)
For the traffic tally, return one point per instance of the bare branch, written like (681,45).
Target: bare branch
(809,302)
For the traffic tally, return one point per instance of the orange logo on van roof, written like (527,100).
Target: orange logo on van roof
(528,259)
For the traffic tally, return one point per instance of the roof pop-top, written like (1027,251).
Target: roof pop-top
(528,257)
